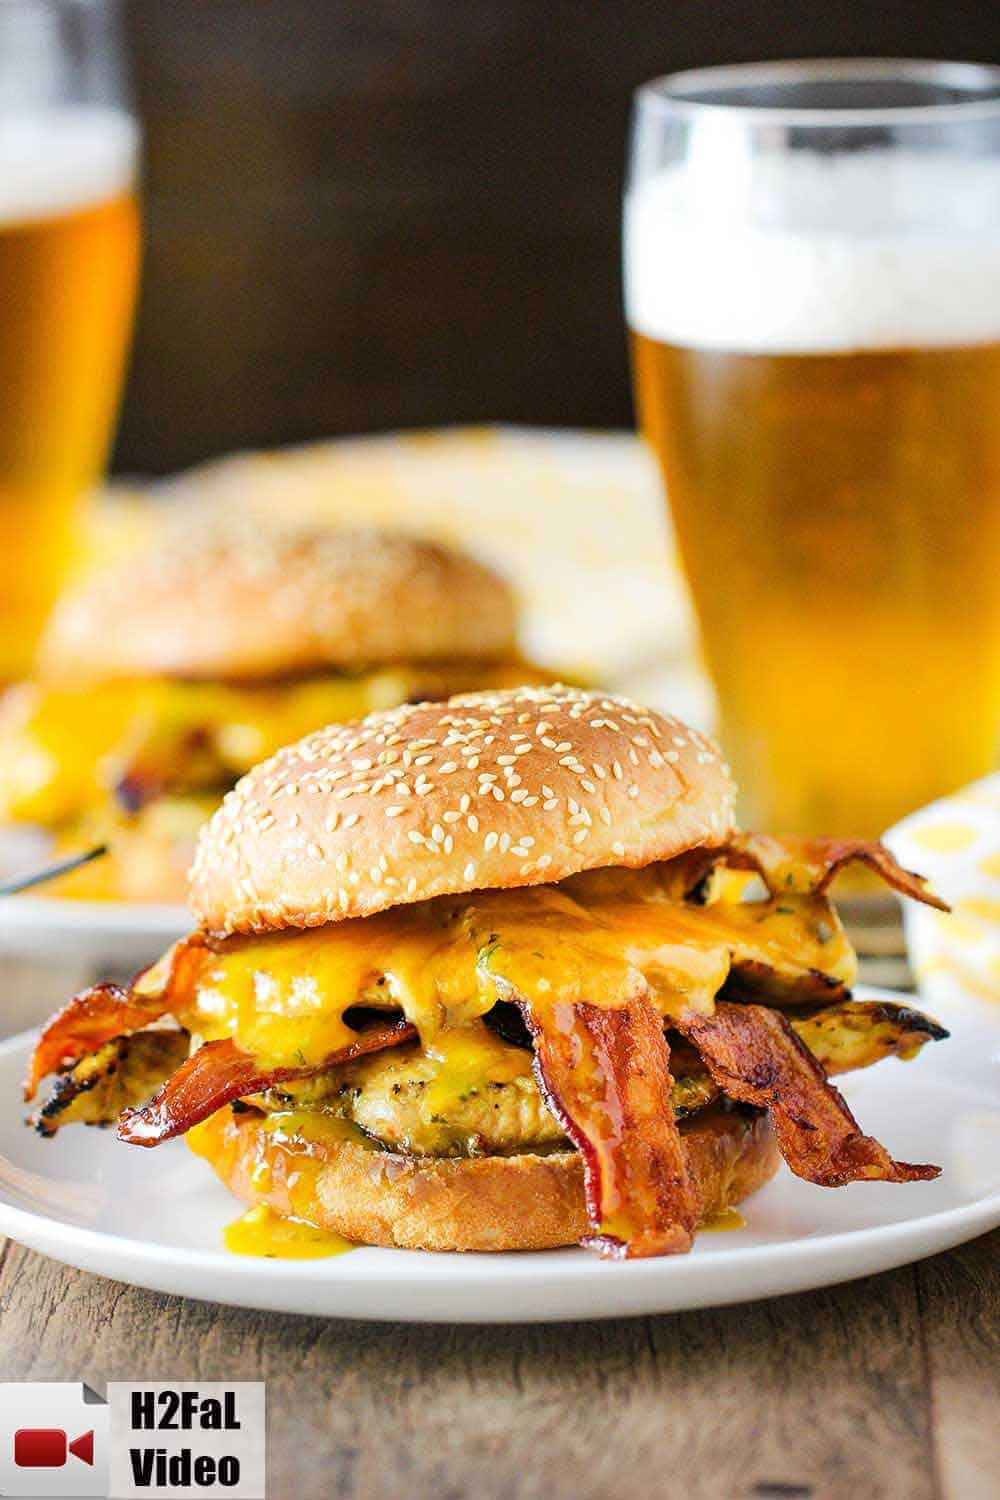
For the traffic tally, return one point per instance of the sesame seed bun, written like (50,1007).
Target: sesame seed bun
(493,1203)
(487,790)
(241,604)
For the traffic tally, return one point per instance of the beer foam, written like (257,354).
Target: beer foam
(816,253)
(63,159)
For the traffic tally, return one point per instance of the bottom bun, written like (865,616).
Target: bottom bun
(333,1177)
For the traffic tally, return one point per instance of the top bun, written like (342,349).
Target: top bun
(488,790)
(242,602)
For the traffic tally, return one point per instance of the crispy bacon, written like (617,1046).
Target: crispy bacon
(605,1074)
(106,1011)
(90,1019)
(793,865)
(756,1058)
(220,1072)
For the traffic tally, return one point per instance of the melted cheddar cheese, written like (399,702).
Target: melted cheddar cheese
(62,749)
(445,963)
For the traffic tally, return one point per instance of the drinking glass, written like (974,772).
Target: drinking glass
(812,288)
(69,253)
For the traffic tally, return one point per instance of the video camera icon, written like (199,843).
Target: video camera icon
(49,1448)
(53,1440)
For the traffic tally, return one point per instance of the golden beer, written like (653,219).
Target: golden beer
(812,288)
(69,247)
(838,516)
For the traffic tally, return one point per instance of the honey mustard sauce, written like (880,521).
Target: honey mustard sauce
(724,1221)
(260,1231)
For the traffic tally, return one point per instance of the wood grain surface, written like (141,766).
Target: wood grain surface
(887,1387)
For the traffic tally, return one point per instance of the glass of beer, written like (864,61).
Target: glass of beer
(69,250)
(812,287)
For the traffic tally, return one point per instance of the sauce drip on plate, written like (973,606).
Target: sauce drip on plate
(726,1220)
(260,1231)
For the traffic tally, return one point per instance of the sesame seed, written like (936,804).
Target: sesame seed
(394,812)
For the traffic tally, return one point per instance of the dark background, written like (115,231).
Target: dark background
(397,212)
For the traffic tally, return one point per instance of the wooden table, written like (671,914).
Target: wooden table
(888,1387)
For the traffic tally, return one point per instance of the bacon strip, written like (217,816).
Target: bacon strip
(220,1072)
(793,865)
(106,1011)
(85,1024)
(756,1058)
(605,1074)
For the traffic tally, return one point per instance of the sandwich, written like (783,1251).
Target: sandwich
(163,679)
(496,973)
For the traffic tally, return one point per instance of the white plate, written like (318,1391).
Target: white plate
(154,1218)
(108,934)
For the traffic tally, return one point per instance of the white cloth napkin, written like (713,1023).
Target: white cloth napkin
(956,843)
